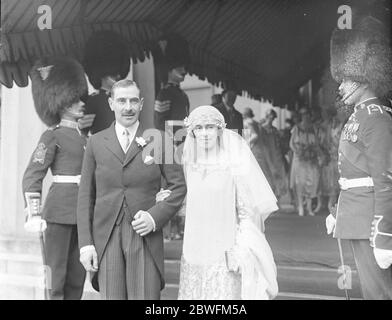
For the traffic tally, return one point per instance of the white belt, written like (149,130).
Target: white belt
(66,179)
(354,183)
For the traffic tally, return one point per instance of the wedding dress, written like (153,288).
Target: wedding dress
(226,206)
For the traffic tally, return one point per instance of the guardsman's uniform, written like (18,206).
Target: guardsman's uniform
(60,149)
(365,155)
(365,167)
(171,97)
(234,119)
(97,103)
(178,102)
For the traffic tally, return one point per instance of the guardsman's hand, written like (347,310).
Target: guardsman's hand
(383,257)
(330,223)
(89,258)
(86,121)
(35,224)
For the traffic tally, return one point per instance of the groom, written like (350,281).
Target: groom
(119,223)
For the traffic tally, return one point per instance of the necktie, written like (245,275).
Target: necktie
(126,140)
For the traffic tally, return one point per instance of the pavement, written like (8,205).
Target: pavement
(307,260)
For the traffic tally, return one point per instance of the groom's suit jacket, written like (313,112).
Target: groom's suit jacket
(112,181)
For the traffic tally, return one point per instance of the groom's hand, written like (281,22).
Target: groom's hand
(89,258)
(143,223)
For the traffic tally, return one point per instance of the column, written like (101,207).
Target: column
(21,269)
(20,131)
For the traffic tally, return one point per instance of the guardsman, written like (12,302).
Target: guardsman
(233,117)
(106,60)
(172,103)
(361,61)
(172,107)
(57,85)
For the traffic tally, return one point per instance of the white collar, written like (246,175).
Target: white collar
(363,101)
(70,124)
(131,130)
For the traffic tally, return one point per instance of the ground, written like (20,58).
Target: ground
(307,259)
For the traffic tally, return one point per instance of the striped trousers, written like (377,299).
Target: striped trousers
(127,270)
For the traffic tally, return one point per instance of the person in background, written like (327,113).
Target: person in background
(216,99)
(285,143)
(172,104)
(233,118)
(287,153)
(271,139)
(251,135)
(304,178)
(332,127)
(58,84)
(106,60)
(320,124)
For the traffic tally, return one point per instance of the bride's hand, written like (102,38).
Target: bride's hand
(162,195)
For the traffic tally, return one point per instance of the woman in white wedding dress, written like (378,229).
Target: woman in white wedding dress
(225,253)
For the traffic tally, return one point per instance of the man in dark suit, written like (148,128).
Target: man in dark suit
(362,62)
(119,223)
(233,117)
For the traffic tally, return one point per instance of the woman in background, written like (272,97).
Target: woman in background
(330,172)
(259,148)
(304,171)
(272,141)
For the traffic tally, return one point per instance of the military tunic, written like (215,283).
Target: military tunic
(234,120)
(61,149)
(179,106)
(365,151)
(98,104)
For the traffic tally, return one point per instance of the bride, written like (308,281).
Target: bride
(225,252)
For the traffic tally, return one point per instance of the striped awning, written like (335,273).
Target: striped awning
(267,48)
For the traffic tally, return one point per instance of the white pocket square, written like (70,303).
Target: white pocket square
(148,160)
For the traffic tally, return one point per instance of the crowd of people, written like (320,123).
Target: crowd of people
(300,160)
(111,197)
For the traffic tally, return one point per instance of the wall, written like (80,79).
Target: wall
(200,92)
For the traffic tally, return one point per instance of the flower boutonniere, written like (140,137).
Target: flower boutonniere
(141,142)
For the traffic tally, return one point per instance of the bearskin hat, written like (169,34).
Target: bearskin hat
(57,83)
(106,54)
(176,52)
(363,54)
